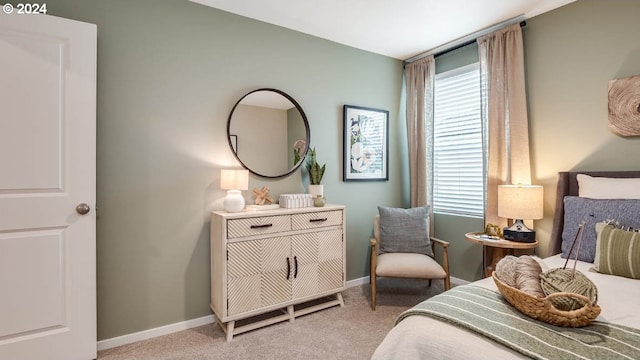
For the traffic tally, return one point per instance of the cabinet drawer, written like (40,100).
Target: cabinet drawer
(237,228)
(316,219)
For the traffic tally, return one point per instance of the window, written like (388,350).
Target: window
(458,185)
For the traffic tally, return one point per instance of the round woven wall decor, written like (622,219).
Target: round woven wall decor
(624,106)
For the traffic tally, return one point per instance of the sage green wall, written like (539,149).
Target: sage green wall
(169,72)
(571,54)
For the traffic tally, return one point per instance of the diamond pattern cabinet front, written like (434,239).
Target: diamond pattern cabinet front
(305,281)
(318,256)
(257,274)
(274,260)
(331,260)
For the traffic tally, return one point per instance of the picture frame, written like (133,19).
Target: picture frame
(233,139)
(366,144)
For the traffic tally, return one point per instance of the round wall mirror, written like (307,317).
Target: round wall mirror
(268,133)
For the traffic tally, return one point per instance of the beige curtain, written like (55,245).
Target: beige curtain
(508,162)
(420,81)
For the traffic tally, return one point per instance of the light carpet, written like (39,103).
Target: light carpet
(350,332)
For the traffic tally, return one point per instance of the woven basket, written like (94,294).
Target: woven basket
(542,309)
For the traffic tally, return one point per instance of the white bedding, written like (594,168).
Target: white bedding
(415,336)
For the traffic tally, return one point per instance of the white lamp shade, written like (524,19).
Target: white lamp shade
(234,179)
(524,202)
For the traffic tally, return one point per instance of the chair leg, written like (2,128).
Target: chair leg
(447,283)
(372,280)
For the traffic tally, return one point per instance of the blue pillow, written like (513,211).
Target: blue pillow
(591,211)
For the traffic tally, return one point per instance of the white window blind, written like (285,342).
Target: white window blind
(458,159)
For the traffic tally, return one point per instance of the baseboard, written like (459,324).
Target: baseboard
(185,325)
(457,281)
(358,282)
(155,332)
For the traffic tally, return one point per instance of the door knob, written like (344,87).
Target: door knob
(82,208)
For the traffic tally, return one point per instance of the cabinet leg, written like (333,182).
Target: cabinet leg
(339,296)
(291,313)
(230,327)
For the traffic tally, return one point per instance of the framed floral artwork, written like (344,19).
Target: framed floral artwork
(366,144)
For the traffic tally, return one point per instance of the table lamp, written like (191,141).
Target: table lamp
(520,202)
(234,181)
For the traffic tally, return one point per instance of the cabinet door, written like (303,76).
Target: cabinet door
(277,270)
(257,274)
(330,260)
(304,249)
(243,276)
(319,258)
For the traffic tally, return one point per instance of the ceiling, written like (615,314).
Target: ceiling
(399,29)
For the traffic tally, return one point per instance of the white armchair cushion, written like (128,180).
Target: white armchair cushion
(409,265)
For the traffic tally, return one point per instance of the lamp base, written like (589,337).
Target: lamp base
(519,232)
(234,202)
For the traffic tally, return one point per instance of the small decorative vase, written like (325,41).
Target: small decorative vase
(316,190)
(318,201)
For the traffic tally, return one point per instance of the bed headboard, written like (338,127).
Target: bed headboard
(568,186)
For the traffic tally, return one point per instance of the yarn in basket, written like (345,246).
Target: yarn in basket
(568,280)
(522,273)
(528,276)
(506,270)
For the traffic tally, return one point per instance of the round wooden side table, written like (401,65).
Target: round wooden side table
(495,248)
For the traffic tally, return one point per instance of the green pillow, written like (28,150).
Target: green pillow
(617,251)
(404,230)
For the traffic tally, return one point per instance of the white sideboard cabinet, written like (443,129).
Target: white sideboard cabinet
(275,262)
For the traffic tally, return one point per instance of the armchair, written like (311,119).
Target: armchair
(406,265)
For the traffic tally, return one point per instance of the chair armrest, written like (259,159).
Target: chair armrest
(373,261)
(445,255)
(442,243)
(373,244)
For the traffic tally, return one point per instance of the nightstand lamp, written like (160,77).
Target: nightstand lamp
(234,181)
(520,202)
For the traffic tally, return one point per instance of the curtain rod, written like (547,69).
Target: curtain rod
(466,40)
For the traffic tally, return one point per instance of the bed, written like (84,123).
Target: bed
(421,337)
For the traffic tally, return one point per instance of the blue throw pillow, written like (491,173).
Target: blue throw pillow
(404,230)
(591,211)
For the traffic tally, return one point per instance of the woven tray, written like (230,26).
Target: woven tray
(542,309)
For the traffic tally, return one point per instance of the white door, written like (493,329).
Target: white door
(47,169)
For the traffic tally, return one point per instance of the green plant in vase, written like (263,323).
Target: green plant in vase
(316,172)
(314,169)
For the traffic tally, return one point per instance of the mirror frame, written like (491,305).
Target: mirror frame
(306,126)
